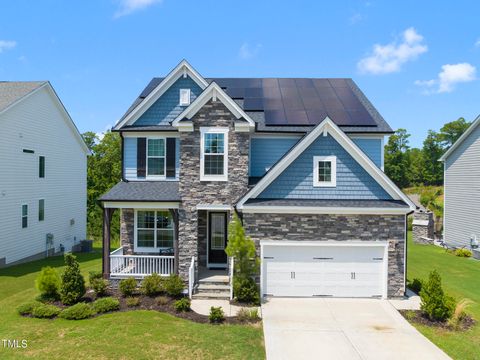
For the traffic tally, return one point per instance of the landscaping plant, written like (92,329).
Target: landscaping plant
(45,311)
(77,312)
(99,286)
(216,315)
(463,253)
(127,286)
(162,300)
(459,313)
(48,283)
(246,314)
(415,285)
(174,285)
(133,301)
(435,304)
(246,290)
(152,285)
(73,284)
(27,308)
(182,305)
(106,304)
(94,275)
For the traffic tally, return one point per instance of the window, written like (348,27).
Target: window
(154,230)
(41,166)
(324,171)
(24,216)
(41,209)
(184,97)
(155,157)
(217,231)
(214,154)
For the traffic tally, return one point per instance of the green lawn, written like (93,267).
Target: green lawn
(461,279)
(126,335)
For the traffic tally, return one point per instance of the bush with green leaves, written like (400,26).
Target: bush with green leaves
(174,285)
(94,275)
(48,283)
(27,308)
(73,283)
(77,312)
(132,301)
(216,315)
(152,285)
(248,315)
(246,290)
(415,285)
(182,305)
(45,311)
(127,286)
(463,253)
(106,304)
(435,304)
(162,300)
(99,286)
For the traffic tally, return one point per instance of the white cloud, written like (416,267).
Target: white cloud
(129,6)
(247,51)
(355,18)
(477,43)
(7,45)
(389,58)
(451,75)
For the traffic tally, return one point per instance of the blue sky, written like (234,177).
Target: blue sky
(416,61)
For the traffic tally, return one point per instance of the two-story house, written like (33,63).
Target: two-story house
(299,160)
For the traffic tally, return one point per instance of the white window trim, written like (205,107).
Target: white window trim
(135,233)
(216,130)
(184,103)
(156,177)
(24,216)
(333,161)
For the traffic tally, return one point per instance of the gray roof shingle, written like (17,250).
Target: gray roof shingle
(12,91)
(143,191)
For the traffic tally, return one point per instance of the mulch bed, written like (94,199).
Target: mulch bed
(418,317)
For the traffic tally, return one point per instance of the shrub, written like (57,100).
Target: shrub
(459,313)
(434,302)
(133,301)
(463,253)
(174,285)
(94,275)
(77,312)
(73,284)
(216,315)
(162,300)
(99,286)
(106,304)
(182,305)
(44,311)
(246,290)
(245,314)
(27,308)
(415,285)
(152,285)
(127,286)
(48,283)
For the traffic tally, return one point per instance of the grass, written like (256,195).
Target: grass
(123,335)
(461,279)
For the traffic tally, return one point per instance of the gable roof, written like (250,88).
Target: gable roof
(327,126)
(460,140)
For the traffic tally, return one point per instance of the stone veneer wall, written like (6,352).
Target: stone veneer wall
(319,227)
(202,238)
(193,191)
(423,227)
(126,230)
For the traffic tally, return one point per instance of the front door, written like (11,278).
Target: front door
(217,239)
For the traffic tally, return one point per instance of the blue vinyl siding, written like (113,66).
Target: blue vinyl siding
(372,148)
(296,182)
(167,107)
(265,152)
(130,158)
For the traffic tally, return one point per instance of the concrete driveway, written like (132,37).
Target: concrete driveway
(341,329)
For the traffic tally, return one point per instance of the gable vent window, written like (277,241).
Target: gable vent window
(324,171)
(184,97)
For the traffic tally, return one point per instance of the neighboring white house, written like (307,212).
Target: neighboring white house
(462,189)
(43,174)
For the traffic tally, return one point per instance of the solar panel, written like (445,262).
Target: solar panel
(253,104)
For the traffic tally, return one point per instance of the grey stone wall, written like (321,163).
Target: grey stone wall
(202,238)
(193,191)
(126,230)
(423,227)
(320,227)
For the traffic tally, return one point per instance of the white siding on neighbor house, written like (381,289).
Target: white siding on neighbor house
(38,124)
(462,192)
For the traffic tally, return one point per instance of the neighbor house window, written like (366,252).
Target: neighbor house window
(154,230)
(184,97)
(155,157)
(24,216)
(41,210)
(325,171)
(41,166)
(214,154)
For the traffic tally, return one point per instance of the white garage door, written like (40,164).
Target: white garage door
(324,270)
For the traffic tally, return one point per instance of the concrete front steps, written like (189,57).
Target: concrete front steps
(212,286)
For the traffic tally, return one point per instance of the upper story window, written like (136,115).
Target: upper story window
(184,97)
(41,166)
(325,171)
(214,154)
(156,157)
(24,216)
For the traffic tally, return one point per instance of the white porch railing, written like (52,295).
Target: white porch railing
(191,278)
(139,265)
(230,273)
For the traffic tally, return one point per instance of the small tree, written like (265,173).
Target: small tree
(434,302)
(73,283)
(48,283)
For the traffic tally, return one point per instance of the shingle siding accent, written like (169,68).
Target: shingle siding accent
(193,191)
(167,107)
(372,148)
(296,182)
(462,192)
(265,152)
(320,227)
